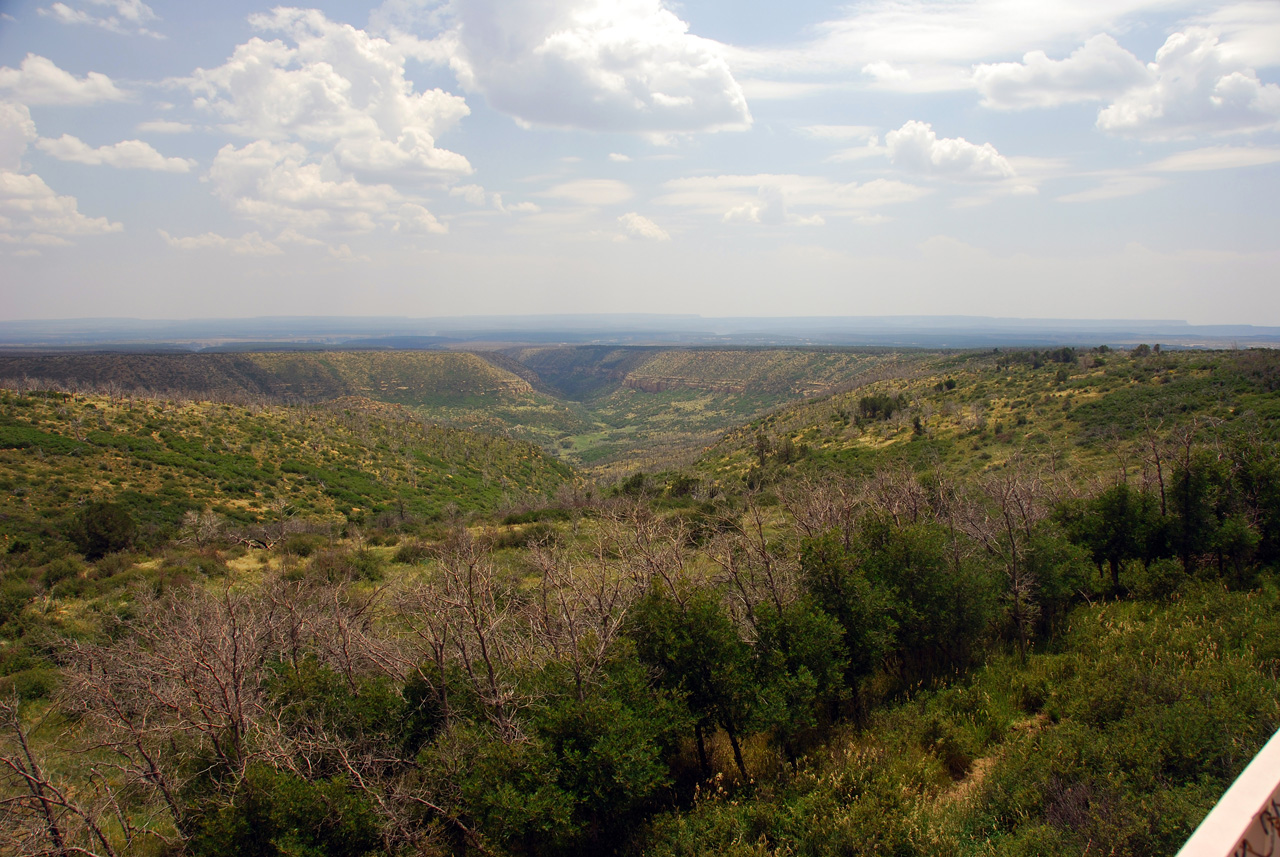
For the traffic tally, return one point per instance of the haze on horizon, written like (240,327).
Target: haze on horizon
(430,158)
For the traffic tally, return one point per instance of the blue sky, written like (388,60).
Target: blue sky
(1079,159)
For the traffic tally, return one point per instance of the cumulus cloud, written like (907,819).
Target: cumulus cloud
(281,185)
(39,81)
(770,208)
(32,213)
(16,132)
(592,192)
(126,155)
(249,244)
(928,46)
(472,193)
(516,207)
(126,16)
(605,65)
(916,147)
(336,87)
(415,218)
(639,226)
(782,198)
(1098,70)
(1197,87)
(1249,30)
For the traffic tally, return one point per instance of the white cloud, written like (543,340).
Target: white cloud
(756,89)
(126,155)
(1249,31)
(32,213)
(777,198)
(619,158)
(131,10)
(164,126)
(870,147)
(929,46)
(916,147)
(770,208)
(339,88)
(1115,187)
(343,253)
(39,81)
(1216,158)
(883,72)
(1197,88)
(605,65)
(16,131)
(514,208)
(129,16)
(639,226)
(249,244)
(593,192)
(472,193)
(415,218)
(1098,70)
(281,185)
(841,133)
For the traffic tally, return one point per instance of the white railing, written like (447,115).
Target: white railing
(1246,822)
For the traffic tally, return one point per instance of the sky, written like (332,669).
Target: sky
(1085,159)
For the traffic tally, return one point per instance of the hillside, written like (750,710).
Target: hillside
(613,409)
(967,414)
(986,604)
(647,408)
(351,460)
(403,377)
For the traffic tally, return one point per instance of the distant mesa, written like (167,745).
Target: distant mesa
(279,333)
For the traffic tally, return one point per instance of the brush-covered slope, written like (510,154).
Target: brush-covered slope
(971,413)
(351,459)
(404,377)
(582,373)
(779,372)
(656,407)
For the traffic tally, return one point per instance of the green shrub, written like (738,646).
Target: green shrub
(303,544)
(411,553)
(59,570)
(14,595)
(102,528)
(523,537)
(33,683)
(346,564)
(273,813)
(1157,579)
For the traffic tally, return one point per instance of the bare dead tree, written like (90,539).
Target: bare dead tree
(653,548)
(898,492)
(1002,521)
(1157,457)
(829,504)
(202,528)
(460,616)
(41,815)
(190,674)
(581,607)
(756,570)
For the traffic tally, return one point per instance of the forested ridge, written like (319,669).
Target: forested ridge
(995,603)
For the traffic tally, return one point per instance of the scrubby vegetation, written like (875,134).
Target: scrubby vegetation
(989,604)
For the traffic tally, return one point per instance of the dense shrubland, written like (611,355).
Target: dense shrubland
(1066,651)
